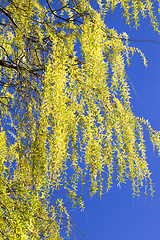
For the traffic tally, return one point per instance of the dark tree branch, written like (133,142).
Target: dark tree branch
(8,15)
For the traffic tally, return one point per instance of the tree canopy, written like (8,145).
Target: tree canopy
(65,111)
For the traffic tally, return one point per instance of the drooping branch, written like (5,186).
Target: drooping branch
(3,10)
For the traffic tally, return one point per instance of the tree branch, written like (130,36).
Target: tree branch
(8,15)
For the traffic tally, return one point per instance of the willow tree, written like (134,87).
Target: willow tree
(65,111)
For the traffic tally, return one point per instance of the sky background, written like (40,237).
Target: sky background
(117,216)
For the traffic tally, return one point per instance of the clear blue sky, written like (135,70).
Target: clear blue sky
(117,216)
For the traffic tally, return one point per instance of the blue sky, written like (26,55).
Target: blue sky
(117,216)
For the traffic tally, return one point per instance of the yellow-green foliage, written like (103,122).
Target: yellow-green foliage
(65,111)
